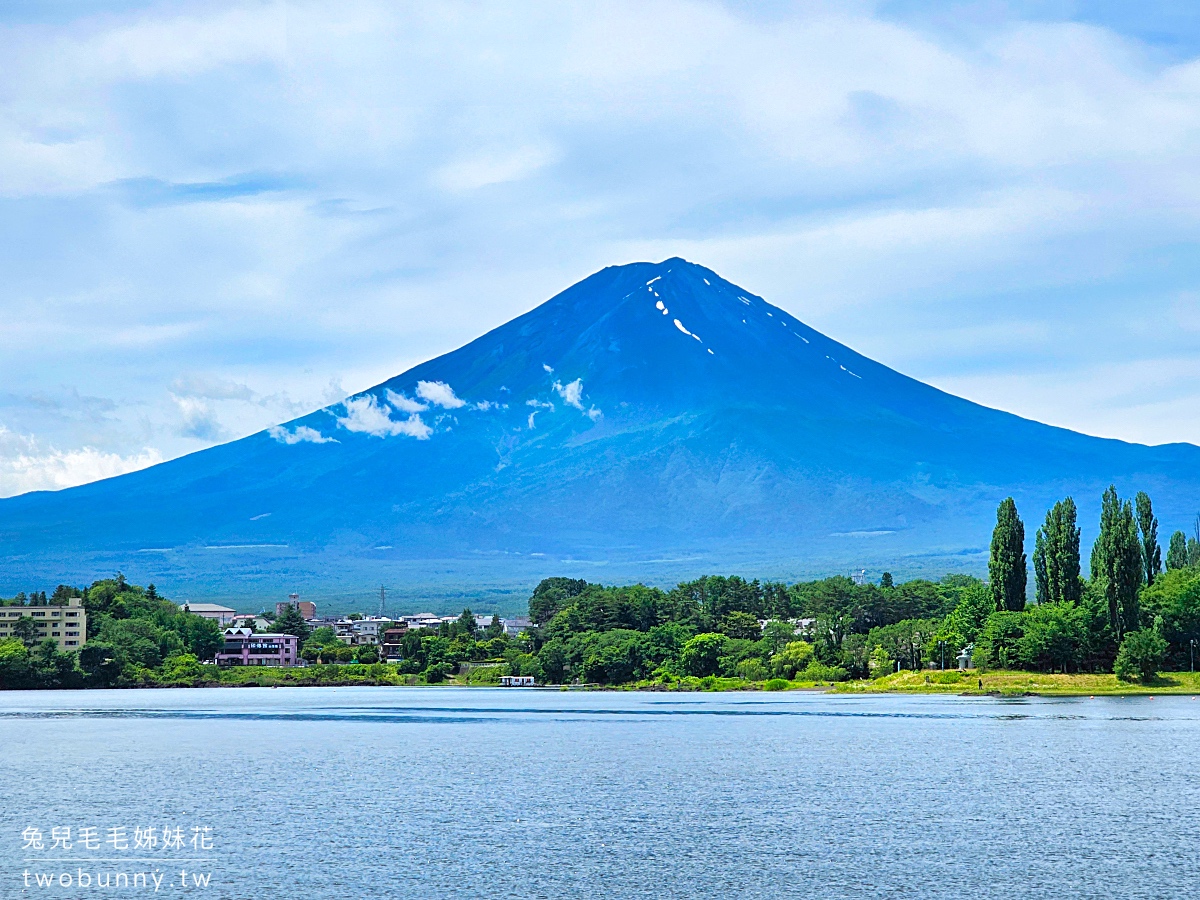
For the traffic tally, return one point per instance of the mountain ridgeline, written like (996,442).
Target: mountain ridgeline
(652,422)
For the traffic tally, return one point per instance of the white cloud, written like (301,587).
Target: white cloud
(439,393)
(405,404)
(475,172)
(199,419)
(27,466)
(367,416)
(211,388)
(301,434)
(571,393)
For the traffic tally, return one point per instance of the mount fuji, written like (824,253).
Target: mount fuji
(652,422)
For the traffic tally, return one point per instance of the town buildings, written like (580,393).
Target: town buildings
(65,624)
(245,648)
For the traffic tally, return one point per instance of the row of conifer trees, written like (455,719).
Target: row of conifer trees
(1125,556)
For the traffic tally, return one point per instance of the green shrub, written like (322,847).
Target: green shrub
(752,669)
(487,674)
(776,684)
(816,671)
(1141,655)
(945,677)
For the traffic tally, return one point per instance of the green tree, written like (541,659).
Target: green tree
(1056,555)
(291,622)
(881,662)
(1148,528)
(1174,600)
(366,654)
(1117,561)
(701,655)
(886,580)
(1177,552)
(1141,655)
(997,645)
(99,663)
(552,595)
(795,657)
(777,634)
(1007,564)
(552,657)
(495,628)
(466,624)
(15,669)
(742,625)
(25,630)
(1054,637)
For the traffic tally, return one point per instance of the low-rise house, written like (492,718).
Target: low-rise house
(359,632)
(369,629)
(516,681)
(66,625)
(258,623)
(245,648)
(222,615)
(422,620)
(391,643)
(515,625)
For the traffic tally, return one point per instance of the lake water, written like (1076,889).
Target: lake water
(332,793)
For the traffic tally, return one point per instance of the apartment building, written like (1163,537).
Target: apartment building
(306,608)
(67,625)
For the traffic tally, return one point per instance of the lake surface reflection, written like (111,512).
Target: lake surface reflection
(331,793)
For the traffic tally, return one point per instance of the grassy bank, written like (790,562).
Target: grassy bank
(1009,684)
(1019,683)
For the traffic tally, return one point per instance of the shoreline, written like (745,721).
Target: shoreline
(945,683)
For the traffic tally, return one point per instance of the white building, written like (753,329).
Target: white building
(515,625)
(357,632)
(421,620)
(516,681)
(222,615)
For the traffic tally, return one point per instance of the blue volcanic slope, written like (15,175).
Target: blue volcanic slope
(652,422)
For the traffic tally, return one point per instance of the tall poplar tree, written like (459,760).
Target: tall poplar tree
(1007,564)
(1177,554)
(1117,562)
(1056,555)
(1148,526)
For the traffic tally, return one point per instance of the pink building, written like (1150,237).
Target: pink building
(245,648)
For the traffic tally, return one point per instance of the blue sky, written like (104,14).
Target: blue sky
(218,216)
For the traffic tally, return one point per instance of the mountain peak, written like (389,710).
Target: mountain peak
(653,419)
